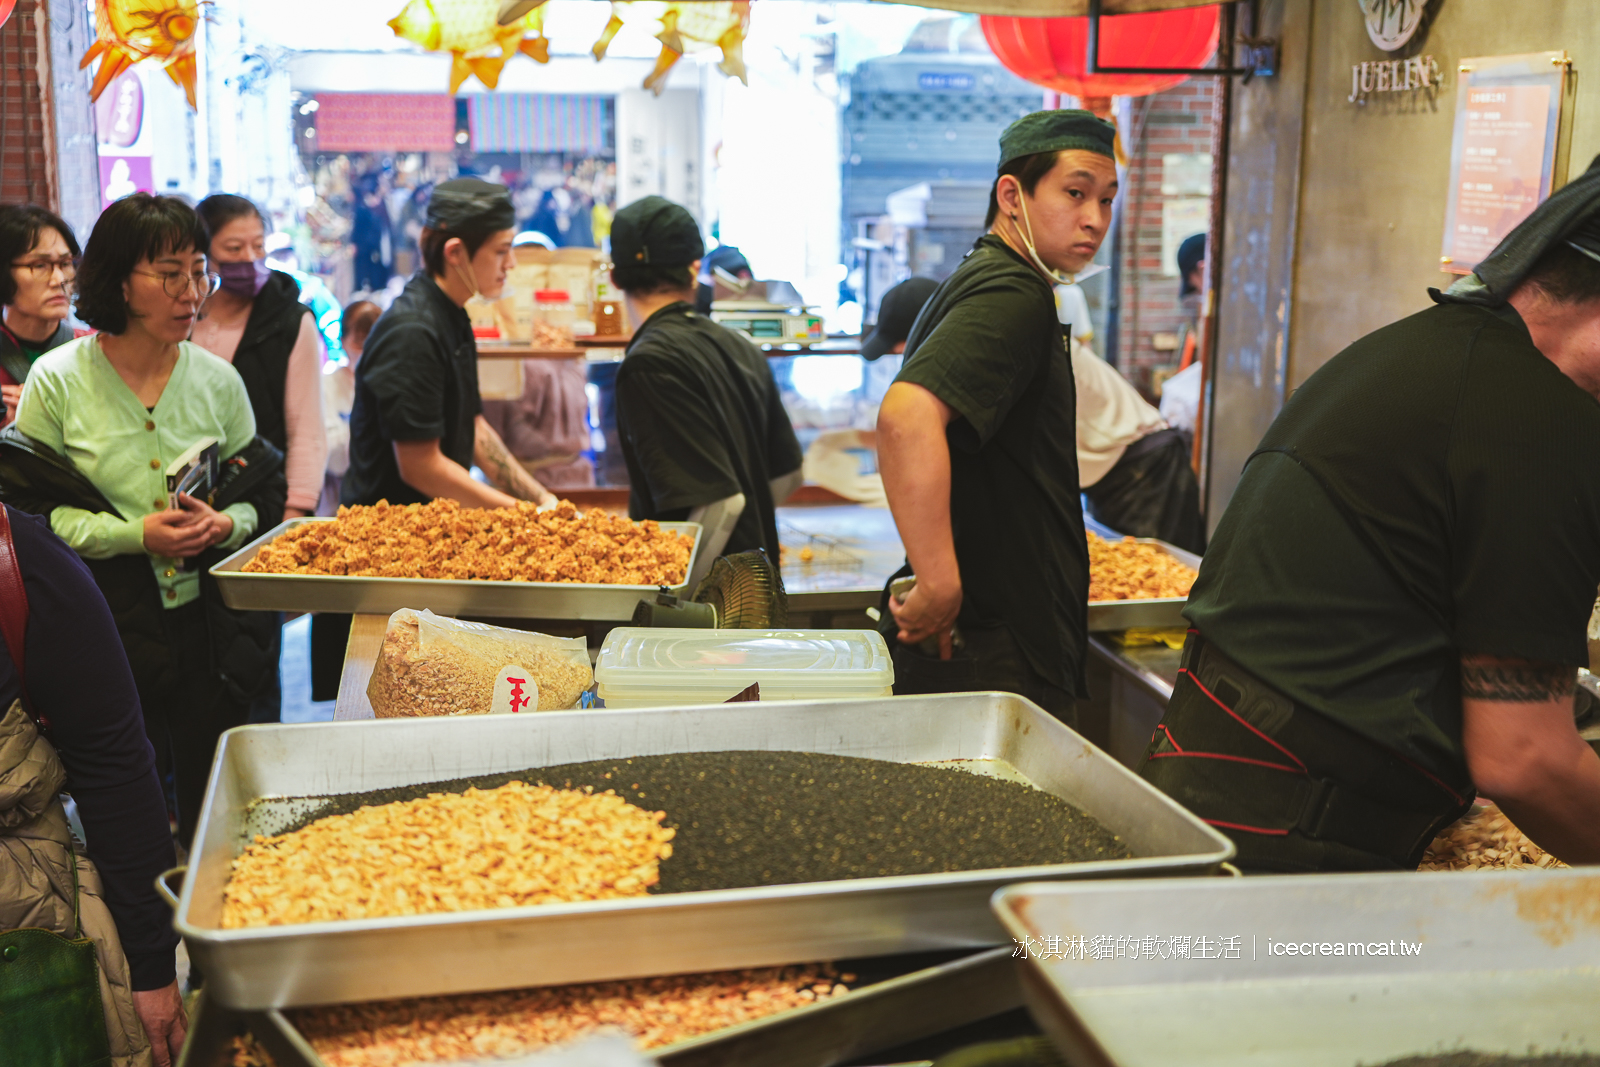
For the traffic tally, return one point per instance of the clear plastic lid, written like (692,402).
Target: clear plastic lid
(648,658)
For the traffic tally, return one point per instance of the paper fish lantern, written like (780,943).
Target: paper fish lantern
(686,26)
(131,31)
(471,32)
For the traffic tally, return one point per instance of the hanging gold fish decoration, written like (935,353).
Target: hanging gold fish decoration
(471,32)
(686,26)
(131,31)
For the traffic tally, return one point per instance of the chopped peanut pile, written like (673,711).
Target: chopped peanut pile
(442,539)
(653,1011)
(1128,570)
(495,848)
(1482,840)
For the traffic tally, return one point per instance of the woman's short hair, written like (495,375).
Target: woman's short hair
(19,233)
(357,320)
(138,227)
(219,209)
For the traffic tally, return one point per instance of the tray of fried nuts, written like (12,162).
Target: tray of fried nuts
(341,862)
(1138,582)
(517,563)
(807,1015)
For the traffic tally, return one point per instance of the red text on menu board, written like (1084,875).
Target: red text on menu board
(1502,160)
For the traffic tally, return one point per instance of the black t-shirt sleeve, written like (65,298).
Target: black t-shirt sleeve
(983,354)
(408,374)
(1526,543)
(675,439)
(79,680)
(784,454)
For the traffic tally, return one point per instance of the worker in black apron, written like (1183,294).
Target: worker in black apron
(1393,608)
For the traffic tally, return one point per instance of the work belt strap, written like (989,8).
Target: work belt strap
(1246,758)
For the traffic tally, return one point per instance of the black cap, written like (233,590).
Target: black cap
(1190,253)
(470,202)
(1055,131)
(896,313)
(655,230)
(728,258)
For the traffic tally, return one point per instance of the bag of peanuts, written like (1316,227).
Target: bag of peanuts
(430,665)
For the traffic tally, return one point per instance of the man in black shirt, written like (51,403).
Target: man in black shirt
(417,424)
(703,429)
(977,437)
(1392,610)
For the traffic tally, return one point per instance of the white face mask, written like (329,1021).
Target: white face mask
(1058,277)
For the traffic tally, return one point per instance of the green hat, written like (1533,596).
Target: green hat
(1053,131)
(655,230)
(470,202)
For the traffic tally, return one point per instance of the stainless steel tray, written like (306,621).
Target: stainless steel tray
(1509,962)
(1162,613)
(911,1005)
(445,596)
(324,963)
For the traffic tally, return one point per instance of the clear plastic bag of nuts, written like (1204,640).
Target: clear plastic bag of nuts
(432,665)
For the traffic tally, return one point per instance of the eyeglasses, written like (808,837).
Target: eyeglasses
(67,265)
(177,284)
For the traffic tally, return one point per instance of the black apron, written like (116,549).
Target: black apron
(1295,791)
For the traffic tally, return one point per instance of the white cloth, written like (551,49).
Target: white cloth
(1111,415)
(1180,398)
(1072,307)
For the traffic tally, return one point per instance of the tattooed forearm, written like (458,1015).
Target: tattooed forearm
(1515,681)
(502,469)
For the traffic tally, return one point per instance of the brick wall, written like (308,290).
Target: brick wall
(26,134)
(1179,120)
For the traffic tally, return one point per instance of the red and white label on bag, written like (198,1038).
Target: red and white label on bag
(515,691)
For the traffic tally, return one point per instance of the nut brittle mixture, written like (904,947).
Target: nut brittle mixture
(652,1011)
(442,539)
(1128,570)
(484,848)
(1484,840)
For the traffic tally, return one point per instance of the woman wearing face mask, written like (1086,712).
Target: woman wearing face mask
(35,293)
(101,420)
(257,323)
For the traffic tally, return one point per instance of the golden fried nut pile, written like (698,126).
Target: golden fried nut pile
(653,1011)
(1127,570)
(1484,840)
(442,539)
(484,848)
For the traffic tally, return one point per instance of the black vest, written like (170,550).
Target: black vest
(262,358)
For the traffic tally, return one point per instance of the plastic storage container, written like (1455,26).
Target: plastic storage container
(642,667)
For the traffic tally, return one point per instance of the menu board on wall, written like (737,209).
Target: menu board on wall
(1502,158)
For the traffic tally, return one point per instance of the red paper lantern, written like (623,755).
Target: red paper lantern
(5,10)
(1052,52)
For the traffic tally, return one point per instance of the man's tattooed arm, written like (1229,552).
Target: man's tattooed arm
(1515,681)
(504,471)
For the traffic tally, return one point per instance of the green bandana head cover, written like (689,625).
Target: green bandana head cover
(470,202)
(1055,131)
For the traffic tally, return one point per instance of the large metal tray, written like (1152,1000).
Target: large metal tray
(1509,962)
(383,596)
(919,1001)
(323,963)
(1163,613)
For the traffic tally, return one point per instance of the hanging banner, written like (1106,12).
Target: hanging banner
(538,122)
(386,122)
(1503,155)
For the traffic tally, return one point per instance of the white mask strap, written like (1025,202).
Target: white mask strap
(1033,253)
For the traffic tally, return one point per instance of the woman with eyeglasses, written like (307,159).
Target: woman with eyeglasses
(257,322)
(35,293)
(102,420)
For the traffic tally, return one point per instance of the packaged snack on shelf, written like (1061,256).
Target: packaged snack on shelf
(431,665)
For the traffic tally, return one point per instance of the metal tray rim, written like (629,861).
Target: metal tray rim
(675,901)
(1223,851)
